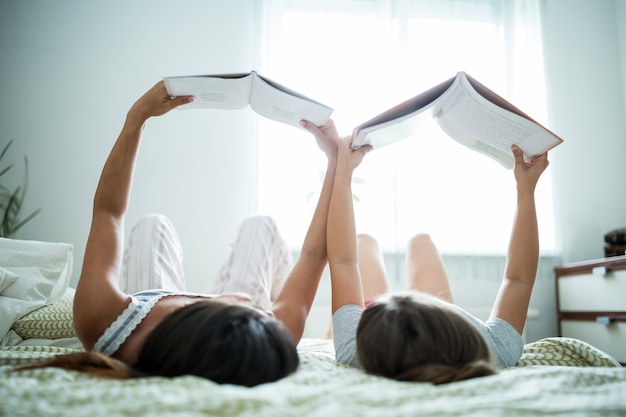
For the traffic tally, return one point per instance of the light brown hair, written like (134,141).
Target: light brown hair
(415,337)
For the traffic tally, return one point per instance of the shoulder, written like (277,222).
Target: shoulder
(95,311)
(506,343)
(345,324)
(347,316)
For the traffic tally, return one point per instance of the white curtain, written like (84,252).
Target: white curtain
(364,56)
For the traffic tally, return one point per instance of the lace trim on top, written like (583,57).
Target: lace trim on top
(140,305)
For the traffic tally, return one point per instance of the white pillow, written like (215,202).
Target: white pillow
(43,272)
(6,279)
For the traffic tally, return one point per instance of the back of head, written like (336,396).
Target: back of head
(415,337)
(227,344)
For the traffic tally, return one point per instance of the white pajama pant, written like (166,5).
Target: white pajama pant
(258,264)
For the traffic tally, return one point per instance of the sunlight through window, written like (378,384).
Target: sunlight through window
(362,58)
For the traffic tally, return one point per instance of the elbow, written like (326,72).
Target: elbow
(342,264)
(520,275)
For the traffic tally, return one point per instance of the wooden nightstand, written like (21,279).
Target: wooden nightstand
(591,303)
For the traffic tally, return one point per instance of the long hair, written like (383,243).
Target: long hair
(415,337)
(227,344)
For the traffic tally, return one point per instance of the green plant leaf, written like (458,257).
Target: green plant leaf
(18,226)
(6,148)
(11,201)
(5,170)
(10,212)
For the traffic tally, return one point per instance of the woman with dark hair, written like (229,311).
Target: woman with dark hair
(131,311)
(419,334)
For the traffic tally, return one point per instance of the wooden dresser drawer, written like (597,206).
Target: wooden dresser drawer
(593,292)
(610,338)
(591,303)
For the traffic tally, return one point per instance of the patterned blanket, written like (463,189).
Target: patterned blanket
(557,376)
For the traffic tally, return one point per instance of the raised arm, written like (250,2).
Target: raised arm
(342,241)
(513,297)
(98,300)
(293,304)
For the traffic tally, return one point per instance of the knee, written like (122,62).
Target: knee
(259,220)
(263,223)
(420,239)
(366,240)
(155,228)
(153,220)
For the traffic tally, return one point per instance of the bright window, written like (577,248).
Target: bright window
(362,57)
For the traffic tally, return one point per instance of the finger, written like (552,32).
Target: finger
(541,160)
(329,126)
(518,155)
(311,127)
(326,129)
(179,101)
(159,85)
(365,149)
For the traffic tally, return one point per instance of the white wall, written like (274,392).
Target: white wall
(620,15)
(70,70)
(585,56)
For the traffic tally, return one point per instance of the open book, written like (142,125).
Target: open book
(469,113)
(236,91)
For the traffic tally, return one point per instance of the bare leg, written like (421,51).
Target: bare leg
(424,268)
(371,267)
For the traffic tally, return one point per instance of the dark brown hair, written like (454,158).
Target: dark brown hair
(415,337)
(227,344)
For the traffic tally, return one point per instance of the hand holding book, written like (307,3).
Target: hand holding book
(465,109)
(237,91)
(469,113)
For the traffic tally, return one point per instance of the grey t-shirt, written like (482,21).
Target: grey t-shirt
(505,342)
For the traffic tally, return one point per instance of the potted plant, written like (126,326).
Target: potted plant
(11,200)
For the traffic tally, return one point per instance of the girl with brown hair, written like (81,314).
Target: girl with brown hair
(131,311)
(419,334)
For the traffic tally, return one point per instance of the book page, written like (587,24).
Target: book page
(230,91)
(392,131)
(489,129)
(276,102)
(398,122)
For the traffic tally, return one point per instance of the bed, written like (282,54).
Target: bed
(556,376)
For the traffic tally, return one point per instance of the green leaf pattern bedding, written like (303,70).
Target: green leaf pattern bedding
(554,377)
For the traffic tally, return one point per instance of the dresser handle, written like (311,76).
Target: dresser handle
(600,271)
(605,320)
